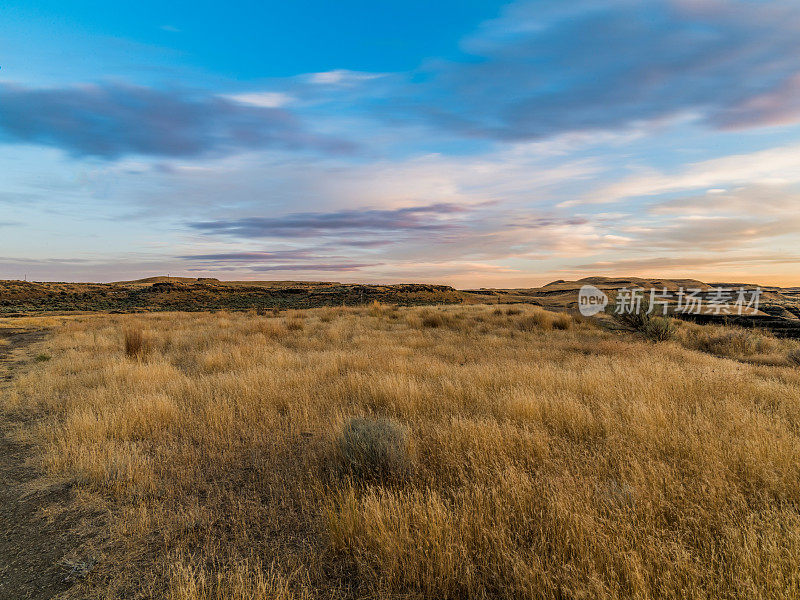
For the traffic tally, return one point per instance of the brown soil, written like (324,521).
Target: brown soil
(39,545)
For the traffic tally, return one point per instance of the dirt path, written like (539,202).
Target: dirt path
(37,538)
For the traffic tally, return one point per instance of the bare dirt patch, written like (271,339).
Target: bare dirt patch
(40,545)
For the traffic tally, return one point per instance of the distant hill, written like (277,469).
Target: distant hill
(780,307)
(564,294)
(195,294)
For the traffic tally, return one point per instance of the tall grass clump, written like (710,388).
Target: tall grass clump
(376,309)
(134,342)
(374,450)
(653,327)
(435,319)
(658,329)
(540,319)
(562,321)
(295,324)
(728,342)
(794,357)
(635,320)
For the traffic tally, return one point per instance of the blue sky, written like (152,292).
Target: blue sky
(474,143)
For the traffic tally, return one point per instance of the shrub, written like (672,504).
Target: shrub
(637,321)
(538,319)
(562,321)
(272,329)
(658,329)
(650,325)
(374,450)
(135,344)
(735,342)
(294,324)
(434,319)
(327,314)
(376,309)
(729,342)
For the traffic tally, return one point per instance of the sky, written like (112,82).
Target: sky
(467,142)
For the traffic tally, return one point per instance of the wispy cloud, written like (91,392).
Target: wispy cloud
(686,263)
(432,218)
(113,120)
(549,67)
(263,99)
(250,256)
(773,166)
(313,267)
(745,228)
(341,77)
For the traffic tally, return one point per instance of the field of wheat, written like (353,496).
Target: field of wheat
(443,452)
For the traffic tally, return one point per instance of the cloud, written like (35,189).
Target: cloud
(108,268)
(745,219)
(778,106)
(249,256)
(113,120)
(341,77)
(260,261)
(766,167)
(365,243)
(431,219)
(716,233)
(749,227)
(313,267)
(752,202)
(727,220)
(263,99)
(550,67)
(443,234)
(686,263)
(544,69)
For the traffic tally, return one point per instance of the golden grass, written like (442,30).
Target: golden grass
(748,345)
(135,343)
(551,459)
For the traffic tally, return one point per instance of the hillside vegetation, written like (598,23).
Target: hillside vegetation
(427,452)
(202,294)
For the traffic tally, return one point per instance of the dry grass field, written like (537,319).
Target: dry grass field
(447,452)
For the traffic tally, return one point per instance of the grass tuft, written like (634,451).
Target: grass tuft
(134,342)
(374,450)
(658,329)
(295,324)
